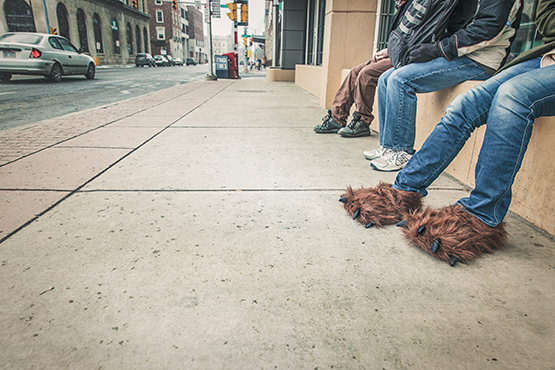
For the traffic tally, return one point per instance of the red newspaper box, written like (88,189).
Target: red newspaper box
(233,69)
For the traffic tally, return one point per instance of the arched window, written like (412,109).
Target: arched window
(138,36)
(19,16)
(63,23)
(115,36)
(129,39)
(82,28)
(97,28)
(145,39)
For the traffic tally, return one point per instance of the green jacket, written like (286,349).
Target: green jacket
(545,21)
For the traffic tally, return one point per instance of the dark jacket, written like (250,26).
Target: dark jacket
(545,21)
(487,38)
(421,21)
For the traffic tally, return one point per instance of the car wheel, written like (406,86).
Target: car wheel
(56,73)
(5,77)
(91,71)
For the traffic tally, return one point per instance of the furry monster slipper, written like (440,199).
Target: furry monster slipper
(452,234)
(381,205)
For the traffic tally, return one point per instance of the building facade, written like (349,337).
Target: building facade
(316,42)
(222,44)
(168,28)
(111,31)
(197,49)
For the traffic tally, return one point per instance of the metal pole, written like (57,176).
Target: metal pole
(46,16)
(211,76)
(274,33)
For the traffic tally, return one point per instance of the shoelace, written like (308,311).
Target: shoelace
(395,157)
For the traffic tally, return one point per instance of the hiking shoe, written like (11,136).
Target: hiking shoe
(355,128)
(375,153)
(329,126)
(393,160)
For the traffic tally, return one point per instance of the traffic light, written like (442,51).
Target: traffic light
(245,41)
(134,4)
(174,4)
(53,31)
(244,14)
(233,14)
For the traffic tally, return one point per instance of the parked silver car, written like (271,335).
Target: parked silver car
(42,54)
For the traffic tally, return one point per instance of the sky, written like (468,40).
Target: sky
(222,26)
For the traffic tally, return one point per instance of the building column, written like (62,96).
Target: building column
(348,41)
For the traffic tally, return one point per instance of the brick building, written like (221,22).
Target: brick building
(168,28)
(196,34)
(111,31)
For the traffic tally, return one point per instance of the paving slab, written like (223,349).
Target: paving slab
(251,280)
(247,158)
(58,168)
(18,207)
(112,137)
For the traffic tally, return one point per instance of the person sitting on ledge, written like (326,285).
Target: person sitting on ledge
(507,104)
(474,52)
(418,20)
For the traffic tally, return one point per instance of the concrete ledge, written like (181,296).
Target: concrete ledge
(277,75)
(309,78)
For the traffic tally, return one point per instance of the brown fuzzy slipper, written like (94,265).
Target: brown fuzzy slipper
(452,234)
(381,205)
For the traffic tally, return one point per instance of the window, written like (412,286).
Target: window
(159,16)
(115,37)
(63,24)
(160,33)
(82,28)
(19,16)
(66,45)
(315,31)
(138,41)
(129,39)
(158,2)
(385,19)
(97,33)
(54,43)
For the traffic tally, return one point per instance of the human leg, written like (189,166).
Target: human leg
(517,104)
(474,225)
(467,112)
(400,95)
(341,106)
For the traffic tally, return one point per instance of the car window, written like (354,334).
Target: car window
(23,38)
(54,43)
(66,45)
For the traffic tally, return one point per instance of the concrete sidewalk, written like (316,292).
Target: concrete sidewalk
(200,228)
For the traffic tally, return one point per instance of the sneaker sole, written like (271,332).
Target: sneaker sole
(383,170)
(357,135)
(327,131)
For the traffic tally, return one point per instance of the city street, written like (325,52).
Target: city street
(27,99)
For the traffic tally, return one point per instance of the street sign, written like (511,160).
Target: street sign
(216,6)
(245,35)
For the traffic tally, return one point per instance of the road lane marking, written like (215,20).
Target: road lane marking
(7,92)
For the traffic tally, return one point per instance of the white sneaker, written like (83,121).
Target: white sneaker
(375,153)
(393,160)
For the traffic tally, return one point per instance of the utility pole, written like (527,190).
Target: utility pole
(211,76)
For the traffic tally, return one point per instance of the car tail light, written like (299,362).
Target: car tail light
(35,53)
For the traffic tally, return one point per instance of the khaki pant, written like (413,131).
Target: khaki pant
(359,87)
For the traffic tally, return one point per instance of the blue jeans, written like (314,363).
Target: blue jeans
(397,90)
(508,104)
